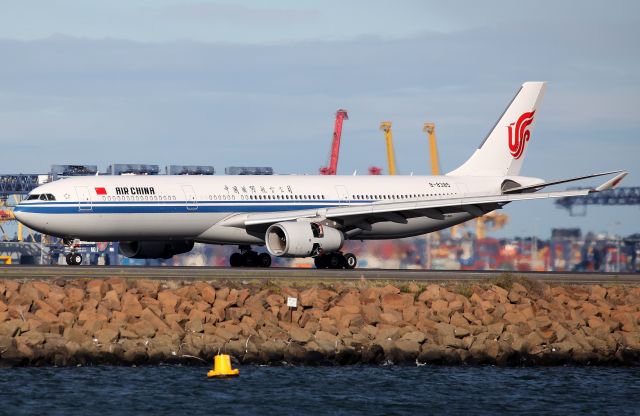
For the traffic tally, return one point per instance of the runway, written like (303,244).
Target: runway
(29,272)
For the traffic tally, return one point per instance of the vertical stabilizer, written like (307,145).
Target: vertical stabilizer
(502,151)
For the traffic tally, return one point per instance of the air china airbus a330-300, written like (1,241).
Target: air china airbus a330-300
(294,216)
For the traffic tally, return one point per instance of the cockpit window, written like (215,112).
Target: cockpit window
(43,197)
(51,197)
(33,196)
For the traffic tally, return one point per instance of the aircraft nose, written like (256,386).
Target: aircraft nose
(17,213)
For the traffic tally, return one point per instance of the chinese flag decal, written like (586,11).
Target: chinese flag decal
(101,191)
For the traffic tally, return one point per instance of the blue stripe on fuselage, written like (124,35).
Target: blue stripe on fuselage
(162,208)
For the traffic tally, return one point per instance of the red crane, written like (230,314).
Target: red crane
(335,145)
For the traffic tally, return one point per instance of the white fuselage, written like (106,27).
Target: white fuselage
(112,208)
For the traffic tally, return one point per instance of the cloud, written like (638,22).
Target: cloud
(236,14)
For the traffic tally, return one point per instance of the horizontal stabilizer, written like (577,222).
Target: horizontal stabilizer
(533,188)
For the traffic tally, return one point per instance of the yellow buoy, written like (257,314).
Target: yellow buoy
(222,367)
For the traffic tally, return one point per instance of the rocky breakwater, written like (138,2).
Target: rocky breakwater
(115,321)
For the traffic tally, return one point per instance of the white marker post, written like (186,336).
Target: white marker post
(292,303)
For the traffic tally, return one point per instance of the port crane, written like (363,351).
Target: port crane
(385,126)
(430,129)
(332,168)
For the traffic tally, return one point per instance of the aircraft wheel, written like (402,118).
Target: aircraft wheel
(249,259)
(350,261)
(69,259)
(320,262)
(76,259)
(335,261)
(235,260)
(264,260)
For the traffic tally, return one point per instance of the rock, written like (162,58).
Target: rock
(96,289)
(441,308)
(597,293)
(514,317)
(300,335)
(194,325)
(168,301)
(142,329)
(626,320)
(111,301)
(444,329)
(370,295)
(147,287)
(410,350)
(10,328)
(458,320)
(232,298)
(275,300)
(371,313)
(389,290)
(31,339)
(207,292)
(451,341)
(75,294)
(106,336)
(118,284)
(414,336)
(307,297)
(46,316)
(236,313)
(131,305)
(410,314)
(396,301)
(350,299)
(391,317)
(150,317)
(460,332)
(413,288)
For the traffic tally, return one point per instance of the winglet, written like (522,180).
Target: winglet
(611,183)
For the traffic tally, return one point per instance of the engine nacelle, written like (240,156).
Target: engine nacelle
(154,249)
(301,239)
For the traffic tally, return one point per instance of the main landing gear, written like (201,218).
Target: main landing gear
(73,258)
(336,260)
(249,258)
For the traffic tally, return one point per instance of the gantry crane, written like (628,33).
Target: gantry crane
(430,129)
(388,135)
(332,168)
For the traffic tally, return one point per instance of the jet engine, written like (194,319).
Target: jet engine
(301,239)
(154,249)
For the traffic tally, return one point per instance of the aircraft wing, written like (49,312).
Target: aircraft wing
(357,215)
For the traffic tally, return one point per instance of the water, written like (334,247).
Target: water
(389,390)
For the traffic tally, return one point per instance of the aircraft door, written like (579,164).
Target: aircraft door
(84,199)
(343,195)
(190,197)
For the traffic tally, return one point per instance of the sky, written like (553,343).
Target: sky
(257,83)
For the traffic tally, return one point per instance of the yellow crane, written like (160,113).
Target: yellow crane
(430,129)
(391,158)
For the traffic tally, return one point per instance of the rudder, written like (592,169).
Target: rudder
(502,152)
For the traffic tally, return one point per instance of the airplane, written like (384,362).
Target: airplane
(294,216)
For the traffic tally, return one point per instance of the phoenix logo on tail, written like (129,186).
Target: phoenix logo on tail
(518,139)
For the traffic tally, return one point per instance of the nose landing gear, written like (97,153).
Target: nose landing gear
(73,259)
(336,260)
(249,258)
